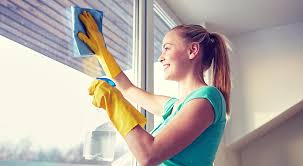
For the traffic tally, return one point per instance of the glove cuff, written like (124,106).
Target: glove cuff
(108,63)
(125,116)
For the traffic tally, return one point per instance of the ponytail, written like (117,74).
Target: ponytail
(220,66)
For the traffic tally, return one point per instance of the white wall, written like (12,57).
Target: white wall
(267,68)
(281,146)
(227,156)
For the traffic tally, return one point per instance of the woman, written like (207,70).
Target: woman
(192,125)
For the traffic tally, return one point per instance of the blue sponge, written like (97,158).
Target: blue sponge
(80,49)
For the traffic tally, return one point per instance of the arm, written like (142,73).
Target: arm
(196,116)
(94,40)
(152,103)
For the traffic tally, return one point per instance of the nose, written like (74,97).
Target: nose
(161,58)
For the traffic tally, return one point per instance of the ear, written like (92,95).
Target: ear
(194,48)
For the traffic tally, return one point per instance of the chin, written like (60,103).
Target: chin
(166,77)
(169,78)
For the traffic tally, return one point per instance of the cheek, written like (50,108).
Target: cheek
(176,67)
(179,59)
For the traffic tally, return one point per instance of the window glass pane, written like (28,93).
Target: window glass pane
(42,25)
(161,86)
(46,115)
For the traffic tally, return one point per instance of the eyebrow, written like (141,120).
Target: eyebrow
(166,44)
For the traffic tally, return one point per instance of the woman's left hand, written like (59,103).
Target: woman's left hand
(123,115)
(102,93)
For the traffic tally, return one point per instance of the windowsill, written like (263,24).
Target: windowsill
(265,128)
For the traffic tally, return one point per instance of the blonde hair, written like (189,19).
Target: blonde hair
(215,53)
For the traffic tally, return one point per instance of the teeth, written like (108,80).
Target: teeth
(165,66)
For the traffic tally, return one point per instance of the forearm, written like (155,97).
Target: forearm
(123,82)
(150,102)
(141,144)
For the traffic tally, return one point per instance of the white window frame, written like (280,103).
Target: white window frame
(168,16)
(143,45)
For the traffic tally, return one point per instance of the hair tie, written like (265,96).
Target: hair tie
(211,38)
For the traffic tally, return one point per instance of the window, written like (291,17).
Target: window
(45,111)
(42,25)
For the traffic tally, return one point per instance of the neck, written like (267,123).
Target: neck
(188,84)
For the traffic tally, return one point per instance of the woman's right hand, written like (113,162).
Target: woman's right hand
(94,38)
(95,42)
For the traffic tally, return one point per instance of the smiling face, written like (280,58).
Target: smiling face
(176,56)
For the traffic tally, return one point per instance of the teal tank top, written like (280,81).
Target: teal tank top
(202,151)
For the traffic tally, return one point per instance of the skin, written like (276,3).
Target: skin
(195,116)
(181,61)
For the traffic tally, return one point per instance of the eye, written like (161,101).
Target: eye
(165,48)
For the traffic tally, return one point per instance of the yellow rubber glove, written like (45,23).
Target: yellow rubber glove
(123,115)
(96,43)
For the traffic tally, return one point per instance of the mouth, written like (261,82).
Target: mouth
(165,66)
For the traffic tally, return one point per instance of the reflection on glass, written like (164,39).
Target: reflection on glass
(47,112)
(46,115)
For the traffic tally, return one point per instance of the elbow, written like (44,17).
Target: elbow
(147,161)
(144,148)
